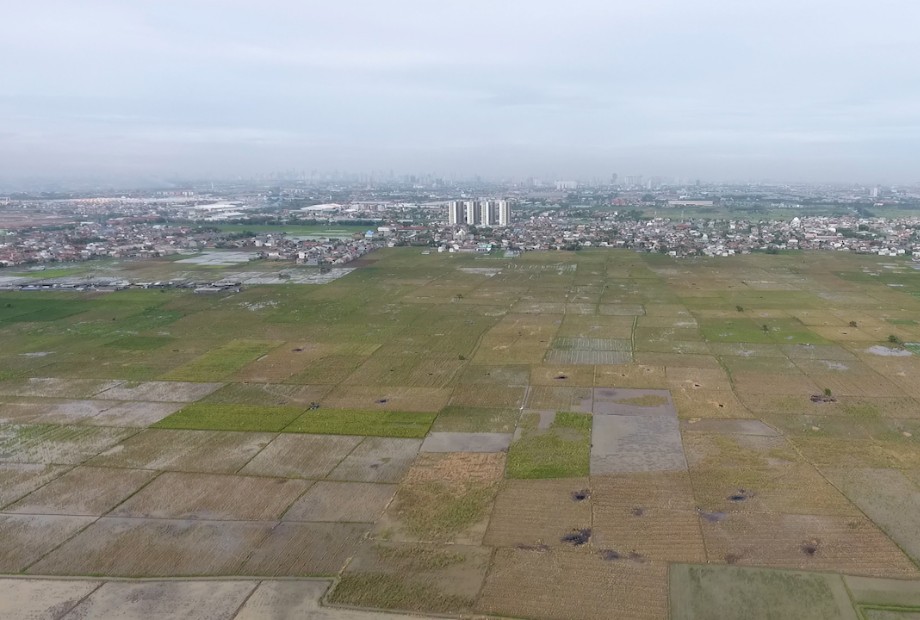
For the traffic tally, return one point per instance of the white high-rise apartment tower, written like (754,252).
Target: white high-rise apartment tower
(470,207)
(483,212)
(504,212)
(486,217)
(455,213)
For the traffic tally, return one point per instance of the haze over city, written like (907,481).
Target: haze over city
(815,91)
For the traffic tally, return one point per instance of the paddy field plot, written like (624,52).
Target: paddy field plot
(83,491)
(300,456)
(181,450)
(887,497)
(731,592)
(377,459)
(217,497)
(573,585)
(305,549)
(445,497)
(155,548)
(413,577)
(180,599)
(560,450)
(349,502)
(19,479)
(849,544)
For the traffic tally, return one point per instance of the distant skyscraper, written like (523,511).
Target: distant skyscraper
(504,212)
(471,212)
(485,213)
(455,212)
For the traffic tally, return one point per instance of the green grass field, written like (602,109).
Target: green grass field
(373,423)
(212,417)
(561,451)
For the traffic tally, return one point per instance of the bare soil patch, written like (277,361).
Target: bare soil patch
(377,459)
(19,479)
(155,548)
(161,391)
(26,538)
(305,549)
(52,444)
(48,387)
(89,491)
(34,599)
(71,412)
(214,497)
(211,600)
(133,414)
(301,456)
(22,412)
(634,443)
(350,502)
(178,450)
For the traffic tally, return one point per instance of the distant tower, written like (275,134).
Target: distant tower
(455,212)
(504,212)
(874,192)
(471,212)
(485,213)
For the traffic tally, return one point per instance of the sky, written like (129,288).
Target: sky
(724,90)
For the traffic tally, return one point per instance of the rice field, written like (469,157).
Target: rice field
(559,435)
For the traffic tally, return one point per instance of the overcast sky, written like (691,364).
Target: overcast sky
(822,90)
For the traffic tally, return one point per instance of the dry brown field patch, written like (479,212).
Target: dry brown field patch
(538,512)
(571,585)
(848,544)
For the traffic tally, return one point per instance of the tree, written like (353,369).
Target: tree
(739,308)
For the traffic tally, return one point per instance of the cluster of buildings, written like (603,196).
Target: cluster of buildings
(689,221)
(679,237)
(483,212)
